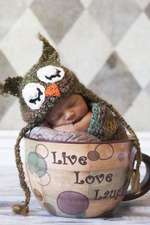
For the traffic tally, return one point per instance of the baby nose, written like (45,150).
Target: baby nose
(69,115)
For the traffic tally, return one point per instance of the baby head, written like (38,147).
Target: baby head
(70,113)
(68,110)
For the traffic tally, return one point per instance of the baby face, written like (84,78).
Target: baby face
(71,110)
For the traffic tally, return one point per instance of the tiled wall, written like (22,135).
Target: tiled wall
(107,43)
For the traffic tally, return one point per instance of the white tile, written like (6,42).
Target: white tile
(115,17)
(85,48)
(29,2)
(21,45)
(143,3)
(86,3)
(12,120)
(115,83)
(138,114)
(10,11)
(134,49)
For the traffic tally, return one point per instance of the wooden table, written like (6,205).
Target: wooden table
(133,212)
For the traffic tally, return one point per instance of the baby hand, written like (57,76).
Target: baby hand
(81,125)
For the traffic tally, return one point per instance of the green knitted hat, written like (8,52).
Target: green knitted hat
(38,91)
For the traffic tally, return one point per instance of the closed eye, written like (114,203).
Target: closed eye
(34,95)
(54,76)
(50,74)
(38,97)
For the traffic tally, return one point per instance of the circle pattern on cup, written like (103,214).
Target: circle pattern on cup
(38,194)
(50,208)
(37,164)
(102,152)
(93,155)
(44,180)
(71,202)
(105,151)
(42,150)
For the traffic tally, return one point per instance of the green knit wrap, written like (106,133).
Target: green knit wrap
(95,126)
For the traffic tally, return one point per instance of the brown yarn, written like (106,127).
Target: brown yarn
(49,53)
(22,208)
(11,86)
(135,179)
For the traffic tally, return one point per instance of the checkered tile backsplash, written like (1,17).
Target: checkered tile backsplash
(107,44)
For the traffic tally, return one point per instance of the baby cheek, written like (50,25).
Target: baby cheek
(60,119)
(51,118)
(82,109)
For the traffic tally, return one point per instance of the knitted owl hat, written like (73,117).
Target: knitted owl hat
(38,91)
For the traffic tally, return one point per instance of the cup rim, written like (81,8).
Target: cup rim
(130,139)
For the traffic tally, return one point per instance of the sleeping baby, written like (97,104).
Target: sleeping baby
(56,106)
(71,119)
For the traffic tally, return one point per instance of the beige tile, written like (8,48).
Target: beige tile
(138,115)
(12,119)
(57,16)
(5,104)
(10,11)
(143,3)
(147,89)
(114,17)
(21,45)
(86,3)
(135,50)
(115,83)
(6,69)
(85,48)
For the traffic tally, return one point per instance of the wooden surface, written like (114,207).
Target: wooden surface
(134,212)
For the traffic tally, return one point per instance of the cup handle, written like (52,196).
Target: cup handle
(145,185)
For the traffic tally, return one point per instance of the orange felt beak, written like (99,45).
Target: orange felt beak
(52,90)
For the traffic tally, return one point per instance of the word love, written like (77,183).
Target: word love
(68,159)
(90,179)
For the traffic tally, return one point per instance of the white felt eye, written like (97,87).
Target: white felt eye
(34,95)
(50,74)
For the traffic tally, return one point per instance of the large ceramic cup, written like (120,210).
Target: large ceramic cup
(82,180)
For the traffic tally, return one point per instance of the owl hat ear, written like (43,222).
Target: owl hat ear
(49,53)
(11,86)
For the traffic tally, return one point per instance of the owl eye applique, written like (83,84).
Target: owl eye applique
(34,95)
(50,74)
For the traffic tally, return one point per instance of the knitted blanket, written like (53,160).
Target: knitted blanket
(43,133)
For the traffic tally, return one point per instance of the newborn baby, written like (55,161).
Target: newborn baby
(88,123)
(69,114)
(52,98)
